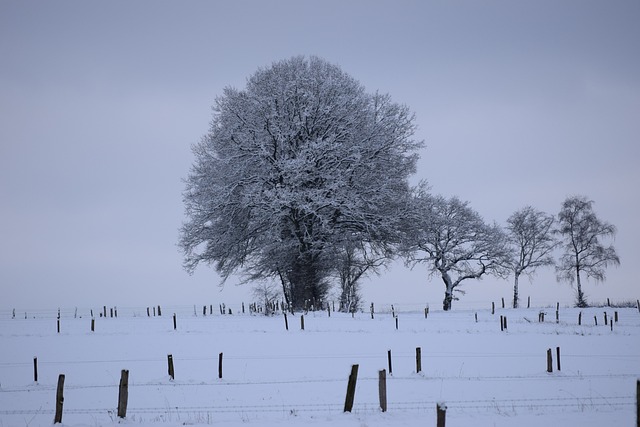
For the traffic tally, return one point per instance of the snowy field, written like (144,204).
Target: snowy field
(271,376)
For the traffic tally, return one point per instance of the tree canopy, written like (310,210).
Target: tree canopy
(297,167)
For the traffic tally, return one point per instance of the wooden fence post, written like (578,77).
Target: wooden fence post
(93,325)
(174,322)
(503,302)
(493,307)
(170,363)
(579,318)
(159,311)
(441,410)
(638,403)
(35,369)
(389,360)
(302,322)
(351,389)
(605,319)
(549,361)
(382,389)
(418,360)
(528,302)
(615,316)
(58,323)
(396,323)
(558,356)
(59,400)
(123,395)
(220,366)
(286,322)
(501,323)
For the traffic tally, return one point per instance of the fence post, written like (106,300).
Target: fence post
(58,323)
(638,403)
(170,363)
(418,359)
(302,322)
(220,366)
(389,360)
(503,302)
(59,400)
(441,409)
(529,302)
(493,307)
(35,369)
(174,322)
(93,325)
(382,389)
(579,318)
(558,356)
(286,322)
(396,323)
(351,389)
(549,361)
(159,311)
(501,323)
(123,395)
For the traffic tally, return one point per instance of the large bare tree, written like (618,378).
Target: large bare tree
(582,231)
(295,166)
(454,242)
(530,234)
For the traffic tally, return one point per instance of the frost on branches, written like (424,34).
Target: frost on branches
(454,242)
(298,169)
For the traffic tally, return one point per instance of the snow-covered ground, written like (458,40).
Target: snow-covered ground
(271,376)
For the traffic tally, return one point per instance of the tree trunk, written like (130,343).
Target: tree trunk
(448,293)
(515,291)
(581,301)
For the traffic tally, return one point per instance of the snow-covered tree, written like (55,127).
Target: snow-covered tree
(296,164)
(581,231)
(531,237)
(454,242)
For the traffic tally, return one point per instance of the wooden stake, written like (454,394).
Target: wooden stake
(174,322)
(579,318)
(123,395)
(638,403)
(528,302)
(382,389)
(170,363)
(476,317)
(418,359)
(59,400)
(441,410)
(58,323)
(605,319)
(220,366)
(35,369)
(389,360)
(302,322)
(502,302)
(493,307)
(159,311)
(615,316)
(501,323)
(549,361)
(558,356)
(286,322)
(93,325)
(396,323)
(351,389)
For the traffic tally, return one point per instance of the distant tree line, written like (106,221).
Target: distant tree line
(302,180)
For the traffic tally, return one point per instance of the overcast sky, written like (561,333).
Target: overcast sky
(519,103)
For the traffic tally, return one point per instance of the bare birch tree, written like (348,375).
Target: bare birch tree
(531,237)
(583,252)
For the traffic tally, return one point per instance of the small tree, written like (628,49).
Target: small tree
(267,292)
(581,231)
(454,242)
(531,238)
(356,261)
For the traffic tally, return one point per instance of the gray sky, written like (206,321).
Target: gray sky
(518,103)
